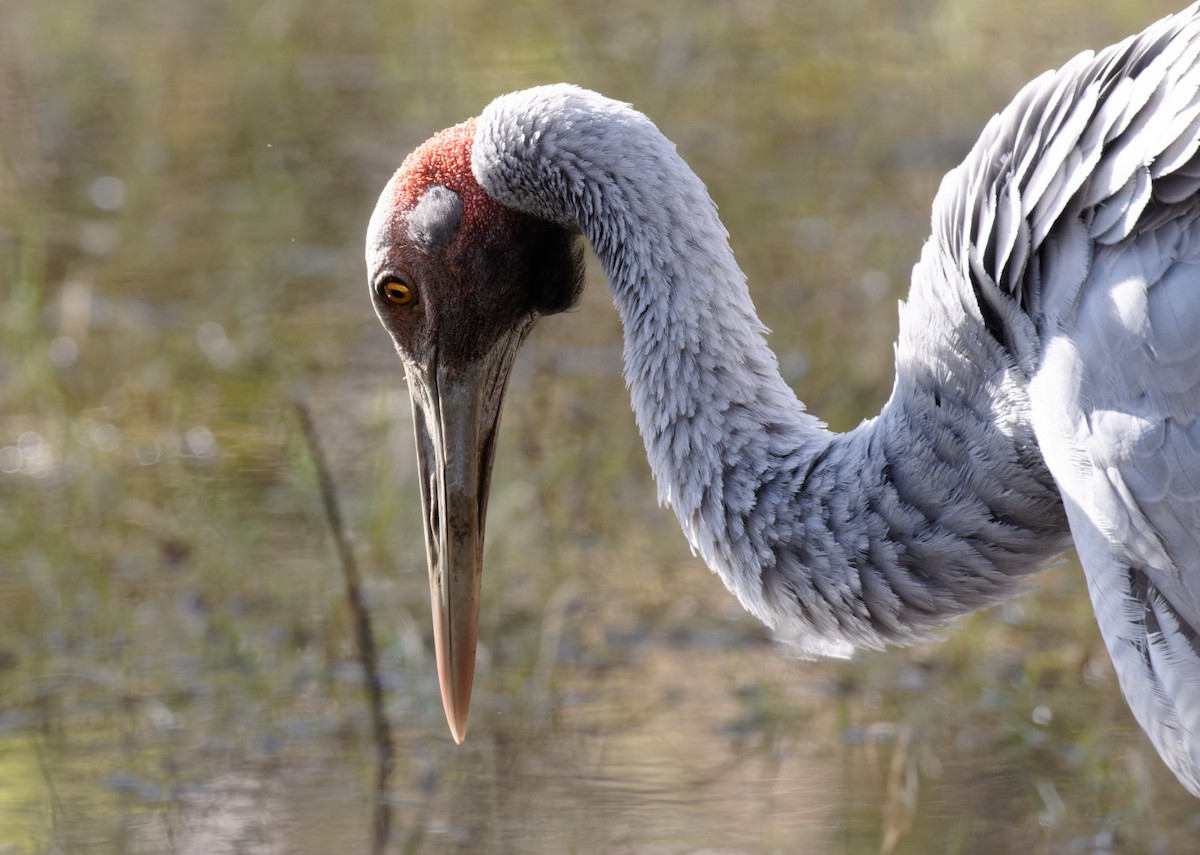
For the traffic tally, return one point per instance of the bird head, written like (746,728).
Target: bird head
(458,280)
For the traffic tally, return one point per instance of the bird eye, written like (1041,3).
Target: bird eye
(398,292)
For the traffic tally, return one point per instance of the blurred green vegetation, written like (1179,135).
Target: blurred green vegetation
(183,192)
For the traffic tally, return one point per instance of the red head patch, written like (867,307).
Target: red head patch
(444,160)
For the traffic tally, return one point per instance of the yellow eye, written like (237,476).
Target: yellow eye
(398,292)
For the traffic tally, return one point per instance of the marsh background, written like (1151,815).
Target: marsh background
(184,188)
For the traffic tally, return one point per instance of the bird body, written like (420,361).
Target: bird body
(1047,368)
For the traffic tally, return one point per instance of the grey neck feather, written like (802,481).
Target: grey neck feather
(936,507)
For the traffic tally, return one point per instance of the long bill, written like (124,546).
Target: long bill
(456,414)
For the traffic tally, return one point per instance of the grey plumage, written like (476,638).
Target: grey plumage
(874,536)
(433,223)
(1047,371)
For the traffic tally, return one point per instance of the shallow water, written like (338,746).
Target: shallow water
(183,193)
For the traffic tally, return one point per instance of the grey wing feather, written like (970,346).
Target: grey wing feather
(1075,222)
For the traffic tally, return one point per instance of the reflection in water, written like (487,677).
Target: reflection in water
(183,193)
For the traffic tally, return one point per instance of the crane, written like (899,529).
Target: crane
(1047,389)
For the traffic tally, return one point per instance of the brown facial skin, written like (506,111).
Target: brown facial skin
(458,281)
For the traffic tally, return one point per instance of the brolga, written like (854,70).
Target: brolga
(1047,384)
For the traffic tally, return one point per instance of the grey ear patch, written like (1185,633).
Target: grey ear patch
(433,223)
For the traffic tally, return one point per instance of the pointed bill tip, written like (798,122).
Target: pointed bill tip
(458,728)
(456,716)
(455,666)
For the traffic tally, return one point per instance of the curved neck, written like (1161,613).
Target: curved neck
(814,532)
(695,351)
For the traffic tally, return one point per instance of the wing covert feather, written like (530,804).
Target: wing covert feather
(1116,408)
(1075,227)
